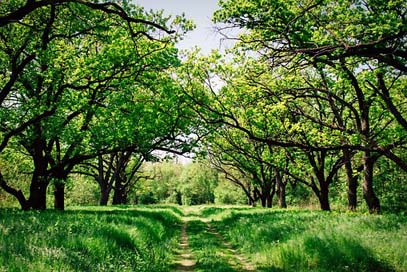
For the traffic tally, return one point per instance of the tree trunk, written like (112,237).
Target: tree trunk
(323,195)
(282,203)
(352,193)
(280,191)
(351,180)
(269,200)
(263,200)
(324,198)
(120,191)
(104,196)
(59,195)
(38,193)
(256,195)
(369,195)
(251,199)
(119,196)
(270,192)
(247,191)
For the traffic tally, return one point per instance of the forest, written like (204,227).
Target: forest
(303,118)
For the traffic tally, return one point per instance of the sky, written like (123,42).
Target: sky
(200,11)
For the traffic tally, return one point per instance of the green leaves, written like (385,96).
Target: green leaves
(84,79)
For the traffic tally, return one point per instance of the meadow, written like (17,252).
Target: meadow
(303,240)
(146,238)
(88,239)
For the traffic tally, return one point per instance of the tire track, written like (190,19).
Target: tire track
(185,260)
(240,262)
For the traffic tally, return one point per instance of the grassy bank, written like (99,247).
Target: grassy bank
(88,239)
(294,240)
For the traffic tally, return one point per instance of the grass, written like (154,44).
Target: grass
(129,238)
(209,251)
(299,240)
(88,239)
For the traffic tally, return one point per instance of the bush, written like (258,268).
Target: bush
(81,190)
(147,198)
(228,193)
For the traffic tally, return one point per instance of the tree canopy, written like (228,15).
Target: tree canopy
(312,95)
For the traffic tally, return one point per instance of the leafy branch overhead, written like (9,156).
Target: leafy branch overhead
(324,79)
(83,79)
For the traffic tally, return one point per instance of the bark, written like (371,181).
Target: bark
(281,197)
(263,201)
(104,184)
(248,192)
(269,201)
(59,196)
(322,189)
(256,194)
(120,194)
(266,195)
(351,180)
(16,193)
(385,94)
(38,193)
(369,195)
(324,197)
(281,191)
(104,197)
(39,180)
(352,193)
(270,196)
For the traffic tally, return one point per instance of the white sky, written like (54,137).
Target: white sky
(200,11)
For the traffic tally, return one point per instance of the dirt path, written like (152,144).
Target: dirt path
(208,244)
(236,260)
(185,260)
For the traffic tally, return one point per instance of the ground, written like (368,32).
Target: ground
(200,238)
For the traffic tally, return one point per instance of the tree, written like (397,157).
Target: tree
(67,79)
(161,183)
(334,36)
(115,171)
(231,153)
(197,184)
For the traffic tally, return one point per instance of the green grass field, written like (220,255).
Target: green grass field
(298,240)
(220,239)
(88,239)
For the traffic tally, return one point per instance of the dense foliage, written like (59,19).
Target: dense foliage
(309,105)
(97,85)
(317,85)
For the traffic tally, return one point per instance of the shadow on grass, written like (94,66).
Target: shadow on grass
(300,241)
(343,254)
(88,239)
(269,227)
(325,255)
(126,217)
(121,238)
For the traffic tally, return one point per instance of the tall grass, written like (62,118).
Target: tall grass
(293,240)
(208,251)
(88,239)
(144,239)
